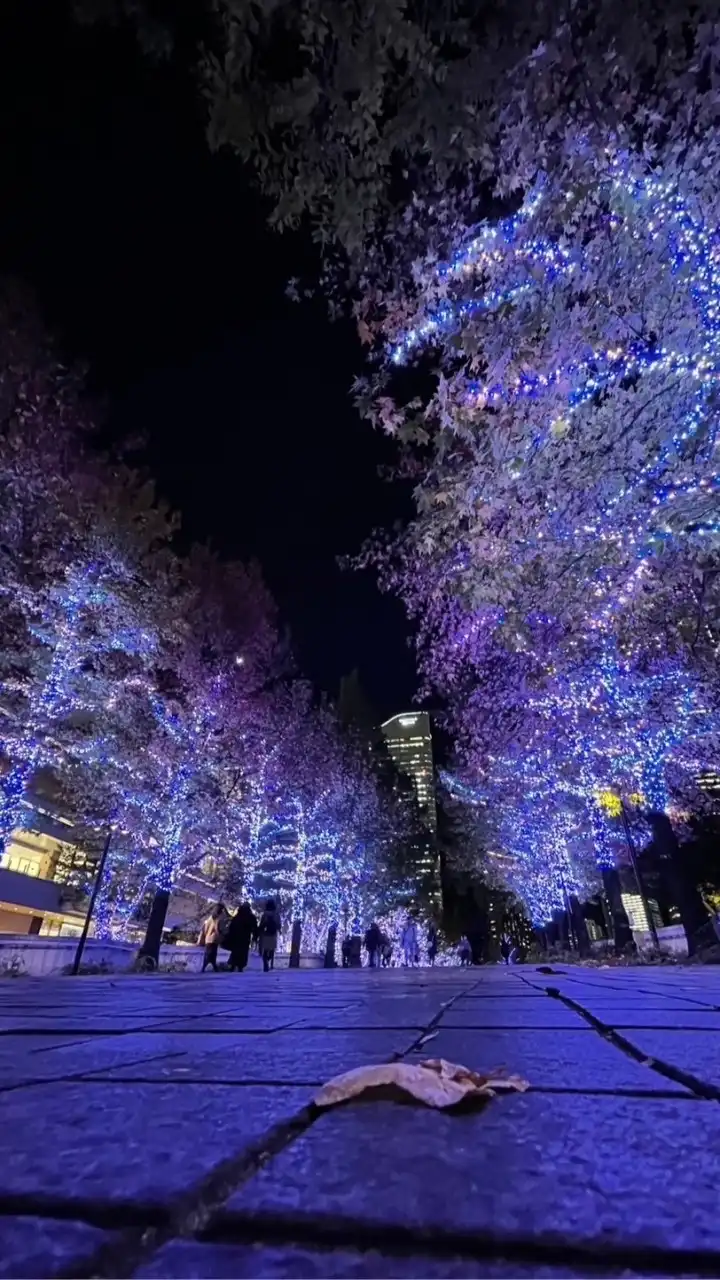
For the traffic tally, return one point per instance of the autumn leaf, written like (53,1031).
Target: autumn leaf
(435,1082)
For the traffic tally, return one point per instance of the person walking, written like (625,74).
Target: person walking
(209,936)
(465,953)
(385,951)
(268,931)
(506,947)
(409,943)
(241,931)
(372,945)
(432,943)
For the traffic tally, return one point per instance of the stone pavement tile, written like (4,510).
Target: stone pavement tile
(492,995)
(12,1046)
(689,1051)
(221,1024)
(152,1044)
(188,1260)
(130,1143)
(596,1171)
(397,1014)
(628,999)
(549,1058)
(287,1056)
(68,1023)
(31,1247)
(640,1016)
(540,1013)
(675,996)
(100,1054)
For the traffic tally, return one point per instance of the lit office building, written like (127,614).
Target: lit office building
(409,742)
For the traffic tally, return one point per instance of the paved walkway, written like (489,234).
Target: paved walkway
(159,1126)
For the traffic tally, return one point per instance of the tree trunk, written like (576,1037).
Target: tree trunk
(330,961)
(582,936)
(684,891)
(606,916)
(622,933)
(153,933)
(561,920)
(294,962)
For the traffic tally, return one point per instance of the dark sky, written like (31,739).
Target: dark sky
(151,261)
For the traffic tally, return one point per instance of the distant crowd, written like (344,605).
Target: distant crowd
(238,932)
(379,948)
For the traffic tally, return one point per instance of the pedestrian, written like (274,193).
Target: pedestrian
(268,931)
(505,947)
(209,937)
(465,951)
(385,951)
(409,941)
(241,932)
(432,943)
(346,949)
(372,945)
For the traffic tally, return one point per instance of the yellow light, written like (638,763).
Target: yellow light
(559,428)
(610,802)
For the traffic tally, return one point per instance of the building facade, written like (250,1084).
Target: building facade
(42,876)
(409,743)
(408,740)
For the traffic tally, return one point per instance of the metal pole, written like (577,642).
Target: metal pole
(638,878)
(91,907)
(572,937)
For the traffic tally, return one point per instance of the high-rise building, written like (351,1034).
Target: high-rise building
(409,743)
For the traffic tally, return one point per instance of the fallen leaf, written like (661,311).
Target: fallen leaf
(435,1082)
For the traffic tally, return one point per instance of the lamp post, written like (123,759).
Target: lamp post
(91,906)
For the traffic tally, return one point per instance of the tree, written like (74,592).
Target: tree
(204,703)
(82,541)
(351,115)
(562,438)
(565,478)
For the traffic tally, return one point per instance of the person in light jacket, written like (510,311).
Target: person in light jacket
(209,937)
(409,942)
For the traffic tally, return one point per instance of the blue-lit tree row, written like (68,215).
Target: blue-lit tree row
(154,692)
(563,564)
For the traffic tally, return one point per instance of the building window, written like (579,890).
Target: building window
(25,866)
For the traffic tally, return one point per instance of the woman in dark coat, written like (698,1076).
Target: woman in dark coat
(241,932)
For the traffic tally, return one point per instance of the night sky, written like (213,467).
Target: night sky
(152,264)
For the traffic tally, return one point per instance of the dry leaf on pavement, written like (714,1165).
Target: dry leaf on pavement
(435,1082)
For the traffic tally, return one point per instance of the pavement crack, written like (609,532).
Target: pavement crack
(434,1023)
(190,1213)
(697,1086)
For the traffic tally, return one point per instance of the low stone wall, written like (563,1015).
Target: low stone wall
(38,957)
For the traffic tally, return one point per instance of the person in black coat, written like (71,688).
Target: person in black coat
(373,938)
(241,932)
